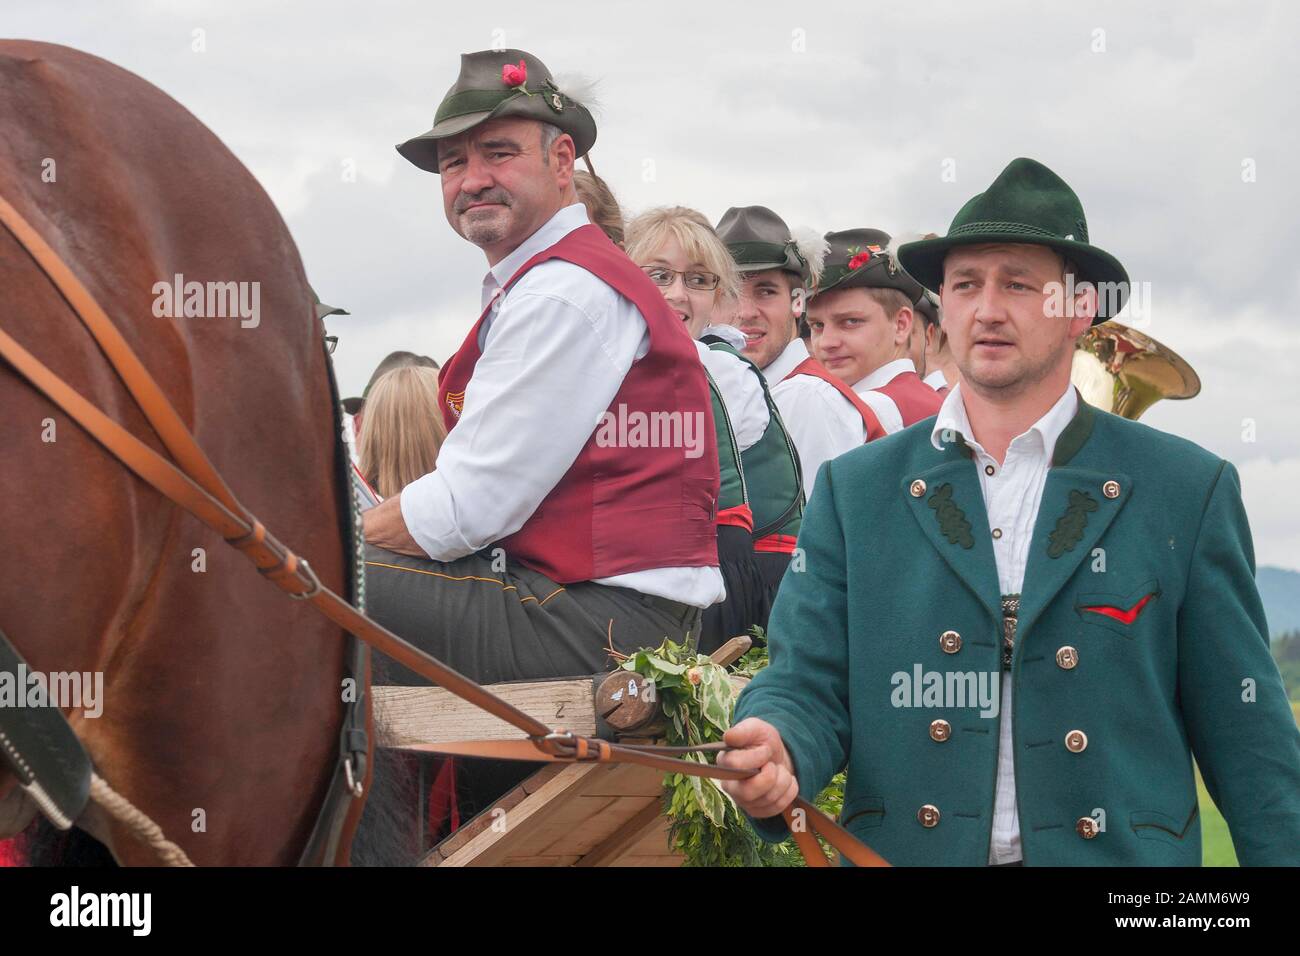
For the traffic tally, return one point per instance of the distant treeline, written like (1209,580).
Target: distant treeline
(1286,651)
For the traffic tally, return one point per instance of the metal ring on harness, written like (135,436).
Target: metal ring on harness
(356,786)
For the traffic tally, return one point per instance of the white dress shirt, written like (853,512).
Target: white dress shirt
(885,374)
(936,380)
(555,350)
(1013,493)
(786,362)
(822,423)
(892,419)
(741,394)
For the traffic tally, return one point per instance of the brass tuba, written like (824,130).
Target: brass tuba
(1121,370)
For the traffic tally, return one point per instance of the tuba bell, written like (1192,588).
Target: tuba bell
(1121,370)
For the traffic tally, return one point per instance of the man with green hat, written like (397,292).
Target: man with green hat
(860,317)
(573,501)
(780,273)
(1098,625)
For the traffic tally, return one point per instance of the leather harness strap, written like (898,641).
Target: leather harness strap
(196,487)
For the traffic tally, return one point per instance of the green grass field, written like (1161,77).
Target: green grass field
(1216,843)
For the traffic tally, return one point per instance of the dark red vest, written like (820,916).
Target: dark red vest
(619,508)
(916,401)
(810,366)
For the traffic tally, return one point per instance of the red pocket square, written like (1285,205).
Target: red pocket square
(1118,613)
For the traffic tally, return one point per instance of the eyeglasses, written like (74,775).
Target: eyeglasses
(331,343)
(694,281)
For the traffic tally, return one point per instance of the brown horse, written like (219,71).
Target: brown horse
(222,698)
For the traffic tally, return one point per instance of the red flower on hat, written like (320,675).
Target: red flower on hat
(858,261)
(512,75)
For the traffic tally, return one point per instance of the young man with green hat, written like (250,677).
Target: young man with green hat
(559,518)
(1098,607)
(862,317)
(780,273)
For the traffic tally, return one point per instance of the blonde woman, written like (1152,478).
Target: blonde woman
(402,431)
(760,494)
(602,207)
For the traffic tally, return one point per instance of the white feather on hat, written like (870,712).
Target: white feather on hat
(579,88)
(891,249)
(813,247)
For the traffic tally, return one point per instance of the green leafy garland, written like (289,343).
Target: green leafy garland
(695,695)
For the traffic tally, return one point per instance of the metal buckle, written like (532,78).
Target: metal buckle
(307,572)
(566,737)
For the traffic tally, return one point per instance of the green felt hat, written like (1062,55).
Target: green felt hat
(927,307)
(500,83)
(862,259)
(1027,203)
(758,239)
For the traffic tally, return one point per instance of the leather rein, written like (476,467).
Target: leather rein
(190,481)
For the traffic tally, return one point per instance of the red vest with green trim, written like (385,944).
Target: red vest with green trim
(619,509)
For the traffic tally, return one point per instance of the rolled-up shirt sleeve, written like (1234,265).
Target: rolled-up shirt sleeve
(554,357)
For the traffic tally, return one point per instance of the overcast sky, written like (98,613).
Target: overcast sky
(834,114)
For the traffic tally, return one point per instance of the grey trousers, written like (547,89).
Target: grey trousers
(513,624)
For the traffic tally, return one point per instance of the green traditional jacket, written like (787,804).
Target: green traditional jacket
(1140,640)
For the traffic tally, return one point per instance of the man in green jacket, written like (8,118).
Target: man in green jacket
(1020,620)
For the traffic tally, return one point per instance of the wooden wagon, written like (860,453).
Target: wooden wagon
(565,814)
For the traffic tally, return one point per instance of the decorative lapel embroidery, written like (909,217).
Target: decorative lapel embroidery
(952,520)
(1070,526)
(456,402)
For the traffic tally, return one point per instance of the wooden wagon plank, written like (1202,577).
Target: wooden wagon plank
(654,842)
(559,834)
(541,861)
(491,846)
(483,821)
(624,838)
(418,715)
(595,826)
(626,780)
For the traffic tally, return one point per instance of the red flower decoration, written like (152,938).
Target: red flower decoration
(858,261)
(512,75)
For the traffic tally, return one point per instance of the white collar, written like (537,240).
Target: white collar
(936,380)
(952,417)
(548,234)
(885,374)
(728,333)
(781,366)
